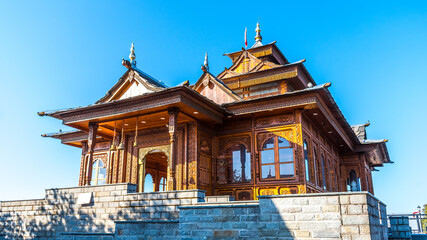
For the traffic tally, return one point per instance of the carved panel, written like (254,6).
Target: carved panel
(225,143)
(273,121)
(102,146)
(192,158)
(205,172)
(244,195)
(236,125)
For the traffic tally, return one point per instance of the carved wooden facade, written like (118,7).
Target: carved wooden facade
(261,127)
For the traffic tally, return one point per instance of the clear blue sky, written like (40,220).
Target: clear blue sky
(58,54)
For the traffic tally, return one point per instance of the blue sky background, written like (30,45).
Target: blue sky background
(58,54)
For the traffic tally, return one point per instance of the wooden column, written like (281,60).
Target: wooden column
(173,120)
(91,141)
(83,165)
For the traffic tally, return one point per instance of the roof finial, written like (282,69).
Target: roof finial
(258,37)
(206,62)
(132,56)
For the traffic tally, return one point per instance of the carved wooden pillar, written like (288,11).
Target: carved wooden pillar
(91,141)
(83,165)
(173,120)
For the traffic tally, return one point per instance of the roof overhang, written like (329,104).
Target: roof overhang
(311,99)
(296,71)
(182,97)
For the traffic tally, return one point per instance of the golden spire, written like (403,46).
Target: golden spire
(258,37)
(132,55)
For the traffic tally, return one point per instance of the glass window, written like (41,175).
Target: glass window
(268,172)
(316,175)
(277,159)
(286,155)
(267,156)
(162,184)
(98,173)
(269,144)
(353,182)
(240,163)
(307,164)
(286,170)
(323,171)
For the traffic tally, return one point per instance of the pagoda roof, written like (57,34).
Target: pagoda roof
(262,50)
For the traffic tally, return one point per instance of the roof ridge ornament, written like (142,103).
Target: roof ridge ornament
(132,56)
(206,62)
(258,37)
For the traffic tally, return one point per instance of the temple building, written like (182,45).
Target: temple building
(262,126)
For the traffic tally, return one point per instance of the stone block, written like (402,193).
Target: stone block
(330,208)
(202,233)
(344,199)
(315,200)
(354,209)
(327,234)
(355,220)
(248,233)
(225,233)
(302,234)
(305,217)
(361,237)
(292,209)
(312,209)
(328,216)
(358,199)
(349,229)
(268,233)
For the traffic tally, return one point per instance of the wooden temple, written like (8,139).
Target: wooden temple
(260,127)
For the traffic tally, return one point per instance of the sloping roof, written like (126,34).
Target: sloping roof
(217,82)
(142,77)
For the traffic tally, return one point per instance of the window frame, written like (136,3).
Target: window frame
(277,162)
(94,179)
(230,162)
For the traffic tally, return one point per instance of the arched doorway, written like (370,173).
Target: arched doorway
(153,167)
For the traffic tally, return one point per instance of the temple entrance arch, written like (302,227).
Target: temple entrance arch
(153,161)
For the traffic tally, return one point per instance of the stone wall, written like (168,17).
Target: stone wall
(399,228)
(117,212)
(309,216)
(59,212)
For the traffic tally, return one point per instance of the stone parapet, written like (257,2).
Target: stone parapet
(305,216)
(60,213)
(117,212)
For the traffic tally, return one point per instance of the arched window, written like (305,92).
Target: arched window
(322,159)
(277,159)
(148,184)
(307,163)
(239,160)
(98,173)
(162,184)
(353,182)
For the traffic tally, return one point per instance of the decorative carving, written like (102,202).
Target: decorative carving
(285,190)
(102,146)
(276,120)
(242,195)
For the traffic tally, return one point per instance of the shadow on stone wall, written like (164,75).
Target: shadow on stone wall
(49,217)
